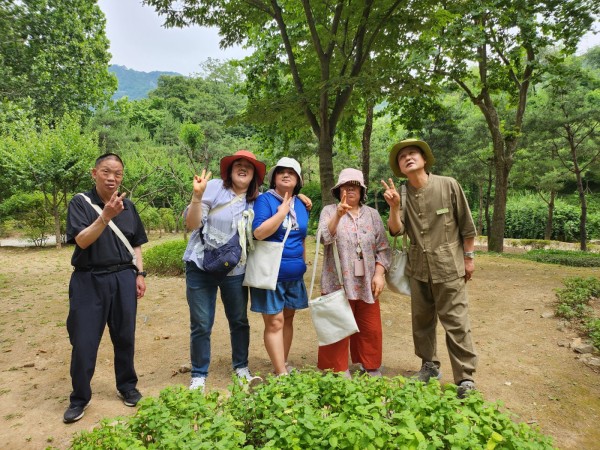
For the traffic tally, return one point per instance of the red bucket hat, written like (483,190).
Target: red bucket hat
(259,167)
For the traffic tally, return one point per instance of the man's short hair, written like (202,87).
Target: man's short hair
(108,156)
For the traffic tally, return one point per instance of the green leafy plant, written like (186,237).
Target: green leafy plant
(573,305)
(313,410)
(166,259)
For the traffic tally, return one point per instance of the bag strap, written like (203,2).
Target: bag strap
(336,258)
(113,227)
(235,199)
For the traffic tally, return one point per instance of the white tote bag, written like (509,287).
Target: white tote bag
(262,264)
(331,314)
(395,278)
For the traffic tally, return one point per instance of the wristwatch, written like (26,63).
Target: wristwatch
(469,255)
(142,273)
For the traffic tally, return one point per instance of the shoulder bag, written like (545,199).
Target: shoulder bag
(395,278)
(221,260)
(113,227)
(262,265)
(331,313)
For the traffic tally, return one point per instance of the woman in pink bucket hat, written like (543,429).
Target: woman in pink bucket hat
(361,239)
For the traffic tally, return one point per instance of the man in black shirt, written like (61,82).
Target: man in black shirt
(106,282)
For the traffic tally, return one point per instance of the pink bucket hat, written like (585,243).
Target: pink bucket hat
(353,176)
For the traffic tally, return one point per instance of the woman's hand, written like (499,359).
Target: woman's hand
(343,207)
(377,283)
(286,204)
(200,183)
(391,195)
(307,201)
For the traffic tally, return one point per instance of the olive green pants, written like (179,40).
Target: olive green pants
(448,302)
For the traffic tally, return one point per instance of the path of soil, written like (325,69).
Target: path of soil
(521,362)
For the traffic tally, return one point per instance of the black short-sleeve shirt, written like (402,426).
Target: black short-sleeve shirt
(108,249)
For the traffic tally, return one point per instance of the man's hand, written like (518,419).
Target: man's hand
(114,206)
(140,284)
(391,195)
(469,268)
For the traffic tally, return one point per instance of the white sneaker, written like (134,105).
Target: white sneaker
(243,373)
(198,383)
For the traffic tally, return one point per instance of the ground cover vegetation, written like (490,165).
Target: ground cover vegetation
(313,410)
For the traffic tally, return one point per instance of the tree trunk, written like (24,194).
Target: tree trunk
(366,142)
(326,164)
(550,219)
(488,196)
(480,215)
(583,216)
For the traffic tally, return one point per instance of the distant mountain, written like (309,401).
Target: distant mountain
(135,84)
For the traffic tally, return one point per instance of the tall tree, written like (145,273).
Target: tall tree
(491,49)
(571,125)
(54,52)
(320,48)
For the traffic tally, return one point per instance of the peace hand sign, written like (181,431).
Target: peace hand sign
(391,195)
(200,183)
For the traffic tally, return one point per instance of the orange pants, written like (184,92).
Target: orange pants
(366,346)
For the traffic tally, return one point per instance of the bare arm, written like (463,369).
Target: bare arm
(391,196)
(270,226)
(140,281)
(194,213)
(342,209)
(469,246)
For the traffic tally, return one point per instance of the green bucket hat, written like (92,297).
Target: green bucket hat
(429,159)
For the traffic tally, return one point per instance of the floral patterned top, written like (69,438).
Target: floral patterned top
(368,232)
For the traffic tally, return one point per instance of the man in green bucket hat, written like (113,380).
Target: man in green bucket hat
(442,234)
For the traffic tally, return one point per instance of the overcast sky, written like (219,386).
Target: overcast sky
(140,42)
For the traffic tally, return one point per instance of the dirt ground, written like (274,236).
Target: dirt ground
(522,361)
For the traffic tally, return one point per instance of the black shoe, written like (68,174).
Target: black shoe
(74,413)
(428,371)
(131,397)
(464,388)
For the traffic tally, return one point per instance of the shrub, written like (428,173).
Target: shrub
(564,257)
(166,259)
(526,216)
(573,300)
(314,410)
(593,331)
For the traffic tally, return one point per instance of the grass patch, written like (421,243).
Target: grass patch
(569,258)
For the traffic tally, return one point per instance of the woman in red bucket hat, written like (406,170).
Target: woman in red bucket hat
(219,214)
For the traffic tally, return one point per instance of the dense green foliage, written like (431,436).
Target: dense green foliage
(313,410)
(573,303)
(54,57)
(165,259)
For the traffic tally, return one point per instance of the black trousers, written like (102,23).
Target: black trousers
(96,300)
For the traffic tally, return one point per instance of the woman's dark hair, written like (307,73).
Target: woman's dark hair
(279,170)
(252,191)
(108,156)
(363,195)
